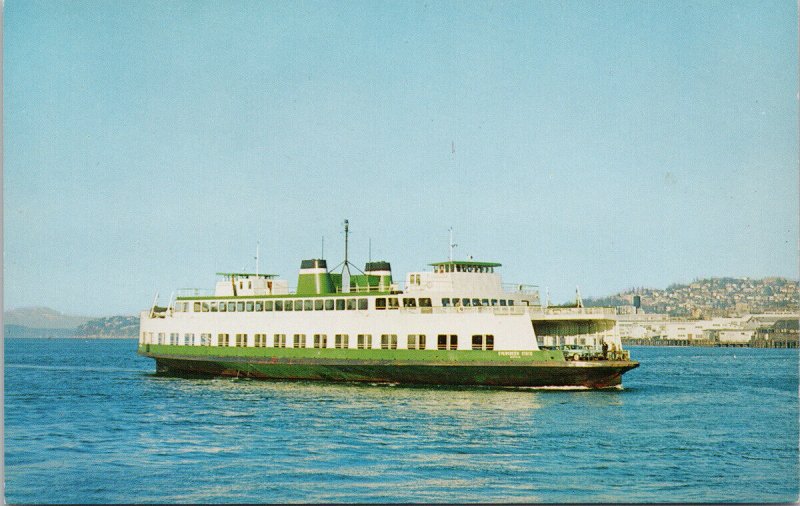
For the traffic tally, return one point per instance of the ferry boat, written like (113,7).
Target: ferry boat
(454,324)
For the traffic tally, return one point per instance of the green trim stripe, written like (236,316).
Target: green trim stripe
(380,355)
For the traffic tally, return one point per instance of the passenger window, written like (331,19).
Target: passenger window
(476,302)
(267,305)
(259,306)
(441,343)
(351,303)
(510,302)
(287,306)
(380,303)
(308,305)
(329,304)
(213,307)
(339,304)
(222,307)
(465,302)
(231,307)
(409,303)
(298,305)
(393,303)
(421,342)
(494,302)
(485,302)
(490,342)
(249,306)
(502,302)
(477,342)
(425,302)
(196,307)
(445,302)
(318,305)
(278,305)
(240,306)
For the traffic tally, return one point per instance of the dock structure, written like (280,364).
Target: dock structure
(776,330)
(783,334)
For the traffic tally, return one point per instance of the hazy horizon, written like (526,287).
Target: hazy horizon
(543,296)
(148,145)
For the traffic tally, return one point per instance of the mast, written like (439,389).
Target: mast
(346,280)
(452,244)
(153,307)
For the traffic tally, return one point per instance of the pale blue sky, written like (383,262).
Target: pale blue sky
(148,145)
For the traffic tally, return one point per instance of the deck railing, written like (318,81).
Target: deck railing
(523,289)
(580,310)
(194,292)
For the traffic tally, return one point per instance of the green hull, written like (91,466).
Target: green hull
(527,369)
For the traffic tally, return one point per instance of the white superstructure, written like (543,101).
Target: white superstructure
(458,305)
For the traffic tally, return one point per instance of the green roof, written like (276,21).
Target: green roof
(467,262)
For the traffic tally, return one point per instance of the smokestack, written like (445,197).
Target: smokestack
(314,278)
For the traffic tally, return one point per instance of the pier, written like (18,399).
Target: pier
(750,331)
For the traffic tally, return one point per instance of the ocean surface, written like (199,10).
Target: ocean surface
(87,421)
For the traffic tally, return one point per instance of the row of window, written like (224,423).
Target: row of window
(341,341)
(466,302)
(329,304)
(462,268)
(394,302)
(272,305)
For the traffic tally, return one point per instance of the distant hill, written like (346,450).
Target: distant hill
(21,331)
(114,326)
(711,297)
(42,318)
(43,322)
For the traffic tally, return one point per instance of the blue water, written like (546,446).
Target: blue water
(86,421)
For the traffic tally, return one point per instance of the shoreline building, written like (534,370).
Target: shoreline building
(768,330)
